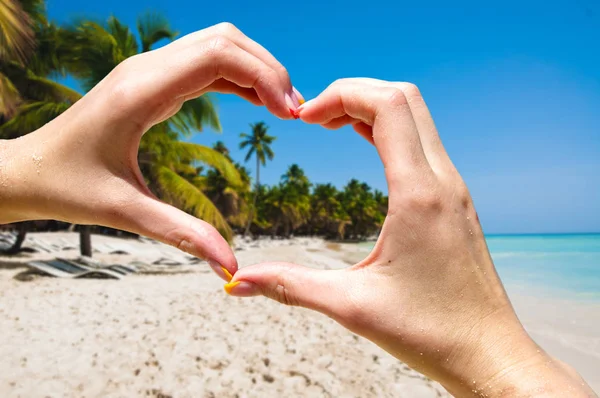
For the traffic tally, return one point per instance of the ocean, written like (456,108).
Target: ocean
(553,264)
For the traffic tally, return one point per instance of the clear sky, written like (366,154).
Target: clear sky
(514,88)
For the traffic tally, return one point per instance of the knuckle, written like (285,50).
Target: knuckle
(425,201)
(281,291)
(411,91)
(226,28)
(218,45)
(124,82)
(283,295)
(179,238)
(338,83)
(282,71)
(463,195)
(395,98)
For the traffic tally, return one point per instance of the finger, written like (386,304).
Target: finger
(158,220)
(430,140)
(290,284)
(189,71)
(229,31)
(361,128)
(340,122)
(385,109)
(226,87)
(249,45)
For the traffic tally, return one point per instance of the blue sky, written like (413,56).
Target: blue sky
(514,88)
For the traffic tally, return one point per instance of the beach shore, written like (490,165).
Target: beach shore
(171,331)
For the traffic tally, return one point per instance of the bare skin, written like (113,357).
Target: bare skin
(428,293)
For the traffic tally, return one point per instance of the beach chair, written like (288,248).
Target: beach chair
(67,269)
(89,264)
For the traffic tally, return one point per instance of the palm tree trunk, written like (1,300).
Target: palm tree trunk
(85,240)
(252,209)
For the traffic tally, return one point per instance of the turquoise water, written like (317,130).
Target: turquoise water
(563,265)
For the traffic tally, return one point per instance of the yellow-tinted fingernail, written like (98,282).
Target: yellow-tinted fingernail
(227,274)
(229,287)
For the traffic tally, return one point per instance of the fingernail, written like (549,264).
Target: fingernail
(221,271)
(290,102)
(299,97)
(241,289)
(304,105)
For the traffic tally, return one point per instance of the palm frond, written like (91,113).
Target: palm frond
(190,152)
(195,114)
(125,43)
(51,90)
(9,97)
(16,32)
(95,50)
(152,28)
(249,154)
(183,193)
(31,117)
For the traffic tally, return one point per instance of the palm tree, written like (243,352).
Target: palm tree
(295,176)
(328,216)
(17,41)
(29,98)
(259,143)
(362,208)
(170,166)
(231,200)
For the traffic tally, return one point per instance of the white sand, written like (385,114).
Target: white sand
(180,335)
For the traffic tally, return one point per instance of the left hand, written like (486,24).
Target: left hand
(82,167)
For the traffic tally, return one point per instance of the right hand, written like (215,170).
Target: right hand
(428,293)
(82,167)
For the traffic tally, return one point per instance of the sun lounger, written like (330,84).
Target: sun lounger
(89,264)
(7,240)
(167,261)
(65,269)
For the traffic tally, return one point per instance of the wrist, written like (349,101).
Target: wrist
(505,362)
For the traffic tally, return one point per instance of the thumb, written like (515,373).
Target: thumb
(158,220)
(291,284)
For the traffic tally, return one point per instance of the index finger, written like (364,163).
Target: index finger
(385,109)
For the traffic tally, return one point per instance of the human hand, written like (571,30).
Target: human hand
(83,168)
(428,293)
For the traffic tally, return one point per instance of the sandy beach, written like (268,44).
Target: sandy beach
(171,331)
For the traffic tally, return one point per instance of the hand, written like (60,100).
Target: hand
(428,293)
(82,167)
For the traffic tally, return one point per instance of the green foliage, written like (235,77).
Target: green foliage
(17,34)
(181,192)
(258,142)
